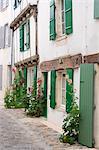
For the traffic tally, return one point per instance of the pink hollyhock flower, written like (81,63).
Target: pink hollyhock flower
(14,69)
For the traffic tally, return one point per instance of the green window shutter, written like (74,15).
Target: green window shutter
(68,17)
(45,74)
(21,38)
(86,105)
(69,89)
(25,76)
(28,34)
(52,20)
(35,78)
(45,84)
(53,89)
(96,9)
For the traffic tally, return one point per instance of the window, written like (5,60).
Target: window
(25,32)
(3,4)
(63,16)
(16,3)
(60,18)
(63,89)
(25,36)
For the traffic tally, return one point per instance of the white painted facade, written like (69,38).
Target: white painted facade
(19,56)
(5,53)
(84,40)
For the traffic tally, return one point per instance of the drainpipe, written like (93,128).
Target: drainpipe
(36,28)
(12,54)
(36,38)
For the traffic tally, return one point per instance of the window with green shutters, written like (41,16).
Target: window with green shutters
(53,89)
(25,36)
(96,9)
(52,20)
(64,23)
(69,89)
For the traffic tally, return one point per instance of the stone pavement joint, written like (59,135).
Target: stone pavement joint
(19,132)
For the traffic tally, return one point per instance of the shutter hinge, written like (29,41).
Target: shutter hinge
(94,107)
(81,81)
(95,72)
(93,142)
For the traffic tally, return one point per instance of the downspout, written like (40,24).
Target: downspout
(12,54)
(36,27)
(36,40)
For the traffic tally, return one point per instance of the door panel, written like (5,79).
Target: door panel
(86,104)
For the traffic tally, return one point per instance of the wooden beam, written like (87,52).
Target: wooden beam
(30,10)
(28,61)
(94,58)
(61,63)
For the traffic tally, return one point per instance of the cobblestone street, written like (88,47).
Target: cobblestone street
(18,132)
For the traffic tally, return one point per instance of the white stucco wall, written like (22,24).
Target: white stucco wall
(84,38)
(5,54)
(20,7)
(56,116)
(19,56)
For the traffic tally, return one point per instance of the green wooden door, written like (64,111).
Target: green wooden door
(86,104)
(53,89)
(45,92)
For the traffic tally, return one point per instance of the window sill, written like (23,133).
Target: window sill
(60,38)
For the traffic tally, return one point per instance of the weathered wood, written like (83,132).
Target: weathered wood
(28,61)
(61,63)
(94,58)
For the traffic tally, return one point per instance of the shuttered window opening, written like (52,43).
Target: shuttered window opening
(16,3)
(25,36)
(52,20)
(53,89)
(96,9)
(69,89)
(65,20)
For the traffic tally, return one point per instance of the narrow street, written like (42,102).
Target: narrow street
(18,132)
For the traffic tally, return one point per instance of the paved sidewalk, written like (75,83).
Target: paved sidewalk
(18,132)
